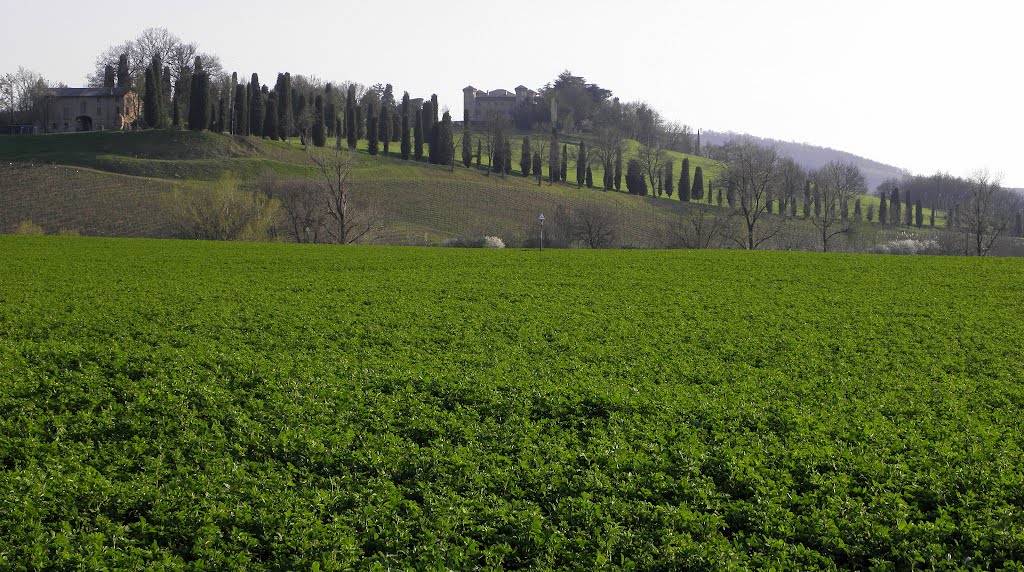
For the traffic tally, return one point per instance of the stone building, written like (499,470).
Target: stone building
(90,109)
(483,105)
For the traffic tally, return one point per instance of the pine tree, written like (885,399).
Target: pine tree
(697,191)
(199,98)
(581,164)
(919,213)
(384,131)
(590,178)
(636,182)
(467,140)
(685,188)
(883,209)
(270,117)
(124,79)
(418,134)
(406,135)
(319,127)
(150,100)
(564,171)
(669,178)
(372,139)
(525,156)
(351,130)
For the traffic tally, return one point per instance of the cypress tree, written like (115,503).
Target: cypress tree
(792,207)
(919,213)
(894,207)
(497,154)
(1019,223)
(270,117)
(445,141)
(256,107)
(817,202)
(479,152)
(285,108)
(508,156)
(199,98)
(384,131)
(685,188)
(807,198)
(360,123)
(538,166)
(697,150)
(730,194)
(124,79)
(711,187)
(372,139)
(150,100)
(241,118)
(319,127)
(581,164)
(418,134)
(161,113)
(669,178)
(697,191)
(590,178)
(166,88)
(883,209)
(467,140)
(618,169)
(871,213)
(219,120)
(636,182)
(525,157)
(564,171)
(719,198)
(109,76)
(432,133)
(406,135)
(931,217)
(856,209)
(330,111)
(351,130)
(910,212)
(428,127)
(554,165)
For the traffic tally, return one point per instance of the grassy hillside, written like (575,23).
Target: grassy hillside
(221,406)
(110,183)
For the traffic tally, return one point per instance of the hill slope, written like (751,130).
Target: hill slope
(813,157)
(111,183)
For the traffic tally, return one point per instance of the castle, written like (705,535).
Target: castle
(484,105)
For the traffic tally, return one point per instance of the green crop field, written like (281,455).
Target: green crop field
(216,406)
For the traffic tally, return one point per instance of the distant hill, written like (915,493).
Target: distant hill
(813,157)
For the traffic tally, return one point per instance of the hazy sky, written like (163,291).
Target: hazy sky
(924,85)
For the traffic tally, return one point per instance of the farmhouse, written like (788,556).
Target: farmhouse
(483,105)
(90,108)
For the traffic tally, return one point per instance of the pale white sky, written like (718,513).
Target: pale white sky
(924,85)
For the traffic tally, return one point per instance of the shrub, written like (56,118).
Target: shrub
(28,227)
(907,246)
(222,211)
(493,242)
(485,242)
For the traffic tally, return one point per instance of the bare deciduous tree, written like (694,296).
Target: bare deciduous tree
(752,171)
(699,226)
(304,204)
(595,225)
(988,211)
(838,183)
(651,157)
(350,225)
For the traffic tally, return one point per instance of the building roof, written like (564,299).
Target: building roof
(89,91)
